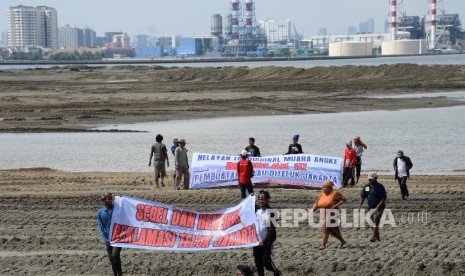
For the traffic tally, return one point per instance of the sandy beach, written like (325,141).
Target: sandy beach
(48,224)
(48,227)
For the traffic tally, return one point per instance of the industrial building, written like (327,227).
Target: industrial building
(276,31)
(32,26)
(449,30)
(244,36)
(411,27)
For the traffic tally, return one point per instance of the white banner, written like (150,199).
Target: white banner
(217,170)
(144,224)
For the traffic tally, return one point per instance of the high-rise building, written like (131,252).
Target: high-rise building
(70,37)
(89,37)
(351,30)
(322,31)
(276,30)
(73,37)
(141,41)
(367,27)
(32,26)
(4,39)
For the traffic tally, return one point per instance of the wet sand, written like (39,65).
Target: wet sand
(48,227)
(75,98)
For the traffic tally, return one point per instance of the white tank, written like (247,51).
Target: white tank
(217,25)
(350,49)
(404,47)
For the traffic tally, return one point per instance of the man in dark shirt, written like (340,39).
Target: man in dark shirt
(295,147)
(376,196)
(159,153)
(253,150)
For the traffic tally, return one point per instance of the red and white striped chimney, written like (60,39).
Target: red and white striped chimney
(432,23)
(393,18)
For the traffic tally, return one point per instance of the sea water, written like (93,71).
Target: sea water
(432,138)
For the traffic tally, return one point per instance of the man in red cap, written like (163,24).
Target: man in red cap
(245,173)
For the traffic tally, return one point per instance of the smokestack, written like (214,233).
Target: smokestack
(236,14)
(432,24)
(393,19)
(249,15)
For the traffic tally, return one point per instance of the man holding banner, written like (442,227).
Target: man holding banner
(104,216)
(267,233)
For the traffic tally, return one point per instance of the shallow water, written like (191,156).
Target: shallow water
(433,138)
(455,59)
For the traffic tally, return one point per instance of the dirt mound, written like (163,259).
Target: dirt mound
(72,99)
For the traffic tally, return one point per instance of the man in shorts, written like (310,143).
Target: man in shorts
(159,153)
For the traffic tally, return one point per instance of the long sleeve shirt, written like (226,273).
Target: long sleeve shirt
(104,221)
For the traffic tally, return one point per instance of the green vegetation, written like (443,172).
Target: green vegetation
(85,55)
(24,56)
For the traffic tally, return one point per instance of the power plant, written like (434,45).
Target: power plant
(410,35)
(243,36)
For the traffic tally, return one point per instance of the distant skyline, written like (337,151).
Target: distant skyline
(181,17)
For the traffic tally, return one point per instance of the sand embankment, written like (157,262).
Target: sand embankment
(48,227)
(76,97)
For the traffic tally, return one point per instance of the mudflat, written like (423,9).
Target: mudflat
(48,227)
(75,98)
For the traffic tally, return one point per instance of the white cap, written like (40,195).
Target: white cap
(244,153)
(372,176)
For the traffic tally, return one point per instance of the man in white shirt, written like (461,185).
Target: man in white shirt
(402,165)
(267,233)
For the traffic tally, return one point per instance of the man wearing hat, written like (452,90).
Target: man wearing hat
(376,196)
(350,159)
(359,147)
(402,165)
(267,233)
(295,147)
(182,165)
(245,173)
(104,215)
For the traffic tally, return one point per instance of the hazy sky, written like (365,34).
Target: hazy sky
(185,17)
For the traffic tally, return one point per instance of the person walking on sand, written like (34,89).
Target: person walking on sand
(252,149)
(359,146)
(350,159)
(159,154)
(104,215)
(182,165)
(245,173)
(329,200)
(295,147)
(376,197)
(402,165)
(267,233)
(173,149)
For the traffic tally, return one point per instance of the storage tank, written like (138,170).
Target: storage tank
(227,24)
(404,47)
(350,49)
(217,25)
